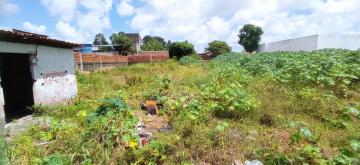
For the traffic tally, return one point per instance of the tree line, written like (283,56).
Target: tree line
(249,37)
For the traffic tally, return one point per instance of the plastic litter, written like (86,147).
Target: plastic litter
(253,162)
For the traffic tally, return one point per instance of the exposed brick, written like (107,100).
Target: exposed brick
(143,57)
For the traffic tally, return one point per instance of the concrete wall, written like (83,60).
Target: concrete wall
(315,42)
(55,77)
(53,73)
(298,44)
(351,42)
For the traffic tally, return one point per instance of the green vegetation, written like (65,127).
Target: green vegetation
(218,47)
(153,43)
(180,49)
(249,37)
(122,42)
(100,40)
(279,108)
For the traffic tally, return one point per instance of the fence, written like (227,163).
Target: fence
(94,61)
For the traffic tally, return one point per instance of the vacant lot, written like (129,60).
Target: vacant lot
(280,108)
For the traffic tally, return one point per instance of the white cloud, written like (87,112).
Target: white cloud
(7,7)
(70,33)
(201,21)
(84,18)
(39,29)
(64,9)
(124,8)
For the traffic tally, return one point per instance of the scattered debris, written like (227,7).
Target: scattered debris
(44,143)
(253,162)
(247,162)
(237,162)
(144,136)
(151,106)
(167,128)
(266,120)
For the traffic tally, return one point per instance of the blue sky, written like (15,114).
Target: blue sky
(198,21)
(34,12)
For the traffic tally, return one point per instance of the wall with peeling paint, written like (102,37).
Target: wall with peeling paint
(54,73)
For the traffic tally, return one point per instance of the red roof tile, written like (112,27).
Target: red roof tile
(32,38)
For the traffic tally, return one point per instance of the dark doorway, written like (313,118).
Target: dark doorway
(17,84)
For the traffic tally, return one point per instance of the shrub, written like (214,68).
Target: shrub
(229,102)
(180,49)
(218,47)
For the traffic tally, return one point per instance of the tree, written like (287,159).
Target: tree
(218,47)
(180,49)
(122,43)
(250,36)
(153,45)
(148,38)
(168,44)
(100,40)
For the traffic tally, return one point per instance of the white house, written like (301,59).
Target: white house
(34,69)
(314,42)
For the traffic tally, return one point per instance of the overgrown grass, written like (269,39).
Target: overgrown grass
(280,108)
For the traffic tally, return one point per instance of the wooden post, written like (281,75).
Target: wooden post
(81,63)
(100,62)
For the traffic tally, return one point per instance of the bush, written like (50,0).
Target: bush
(229,101)
(218,47)
(180,49)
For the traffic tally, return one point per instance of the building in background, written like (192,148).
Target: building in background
(85,48)
(34,69)
(314,42)
(207,56)
(136,41)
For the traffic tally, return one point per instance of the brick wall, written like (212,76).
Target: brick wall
(93,58)
(93,61)
(146,57)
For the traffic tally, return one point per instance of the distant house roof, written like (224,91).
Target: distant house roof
(32,38)
(135,37)
(207,55)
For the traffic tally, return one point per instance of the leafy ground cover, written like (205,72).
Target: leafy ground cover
(279,108)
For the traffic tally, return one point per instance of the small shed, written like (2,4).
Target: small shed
(207,55)
(34,69)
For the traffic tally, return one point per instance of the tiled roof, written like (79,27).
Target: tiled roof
(32,38)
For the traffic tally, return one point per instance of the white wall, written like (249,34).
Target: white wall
(54,72)
(351,42)
(55,75)
(308,43)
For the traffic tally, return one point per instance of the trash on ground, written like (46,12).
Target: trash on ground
(253,162)
(167,128)
(151,106)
